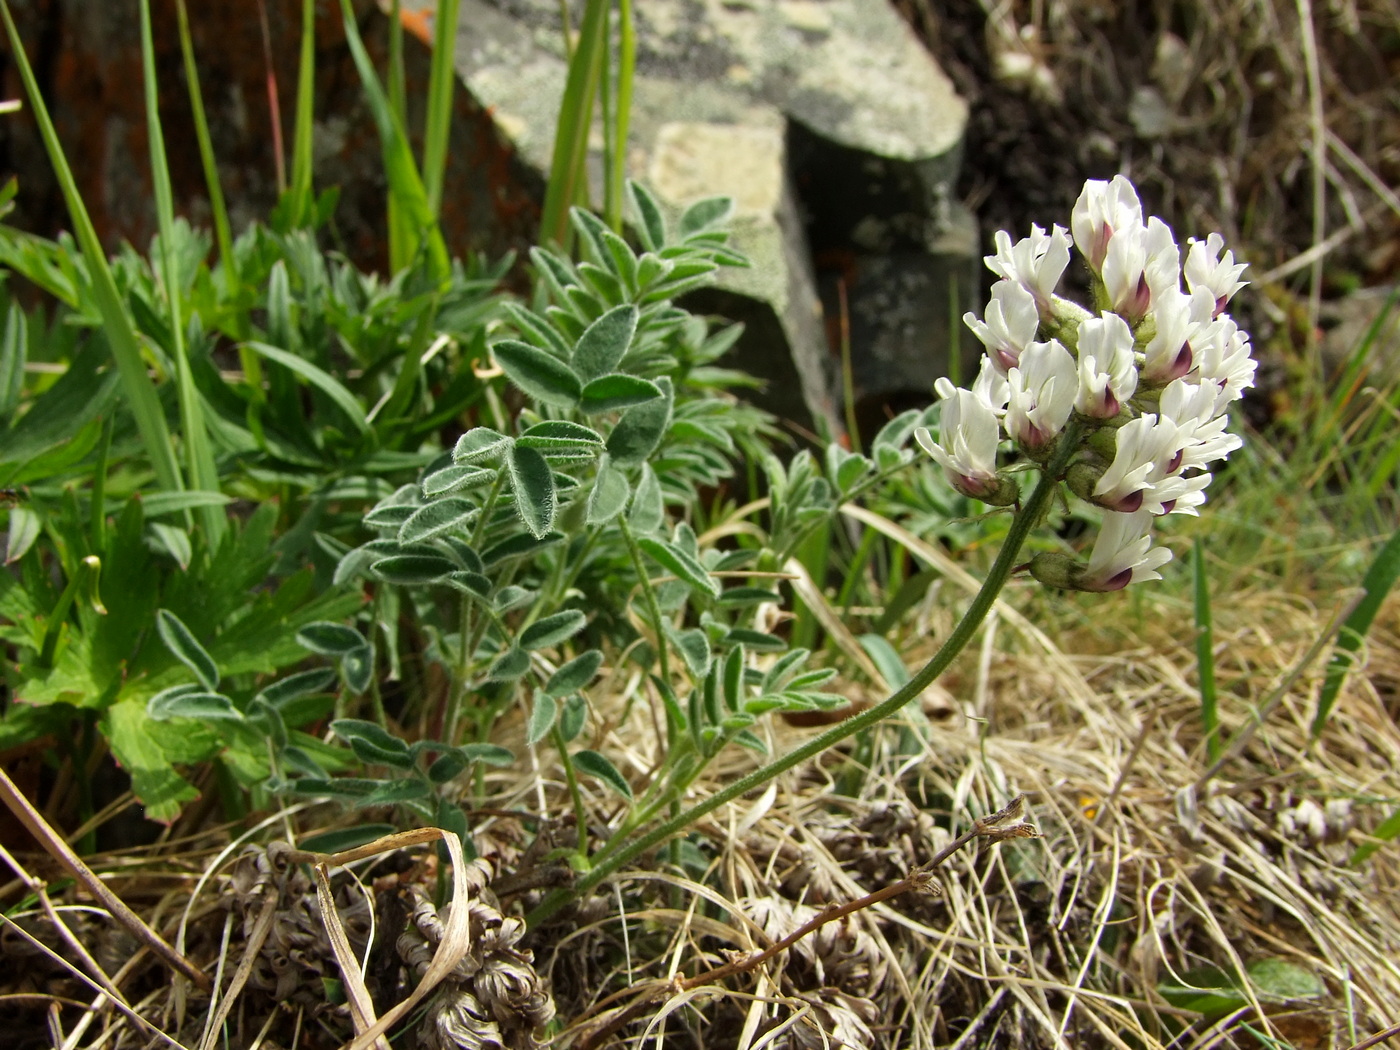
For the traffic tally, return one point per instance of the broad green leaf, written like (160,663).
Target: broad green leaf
(542,717)
(595,765)
(185,701)
(885,658)
(491,754)
(551,630)
(172,541)
(651,227)
(609,393)
(447,767)
(648,512)
(479,443)
(321,380)
(329,639)
(24,530)
(571,719)
(533,484)
(411,569)
(510,665)
(694,647)
(537,372)
(679,564)
(641,429)
(185,648)
(574,675)
(138,745)
(373,743)
(604,343)
(449,479)
(559,435)
(436,519)
(609,495)
(294,687)
(358,667)
(706,213)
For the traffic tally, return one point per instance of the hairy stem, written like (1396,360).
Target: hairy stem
(1030,515)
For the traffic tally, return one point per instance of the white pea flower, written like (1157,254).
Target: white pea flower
(1178,318)
(1223,360)
(1042,392)
(1108,373)
(1010,325)
(1103,208)
(990,385)
(1218,274)
(1035,262)
(1142,444)
(1192,406)
(1123,554)
(966,448)
(1142,264)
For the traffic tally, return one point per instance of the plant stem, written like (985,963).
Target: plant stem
(1026,519)
(570,777)
(653,607)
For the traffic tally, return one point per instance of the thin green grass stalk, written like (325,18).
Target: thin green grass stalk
(274,105)
(653,606)
(568,170)
(199,456)
(400,233)
(98,497)
(1387,831)
(848,379)
(117,325)
(622,114)
(1379,580)
(1027,518)
(223,233)
(442,77)
(405,182)
(303,200)
(1205,651)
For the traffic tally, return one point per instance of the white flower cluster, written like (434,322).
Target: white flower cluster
(1150,371)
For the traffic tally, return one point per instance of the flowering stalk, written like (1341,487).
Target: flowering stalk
(1026,519)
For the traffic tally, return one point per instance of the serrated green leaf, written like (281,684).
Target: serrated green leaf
(604,343)
(609,393)
(574,675)
(538,372)
(479,443)
(413,569)
(533,484)
(551,630)
(542,717)
(679,564)
(595,765)
(437,519)
(185,648)
(641,429)
(329,639)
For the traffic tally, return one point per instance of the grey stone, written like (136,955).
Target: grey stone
(828,122)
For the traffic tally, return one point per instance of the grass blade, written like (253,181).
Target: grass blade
(1380,578)
(1387,831)
(223,234)
(567,169)
(199,457)
(303,203)
(615,191)
(117,325)
(442,76)
(405,184)
(1205,652)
